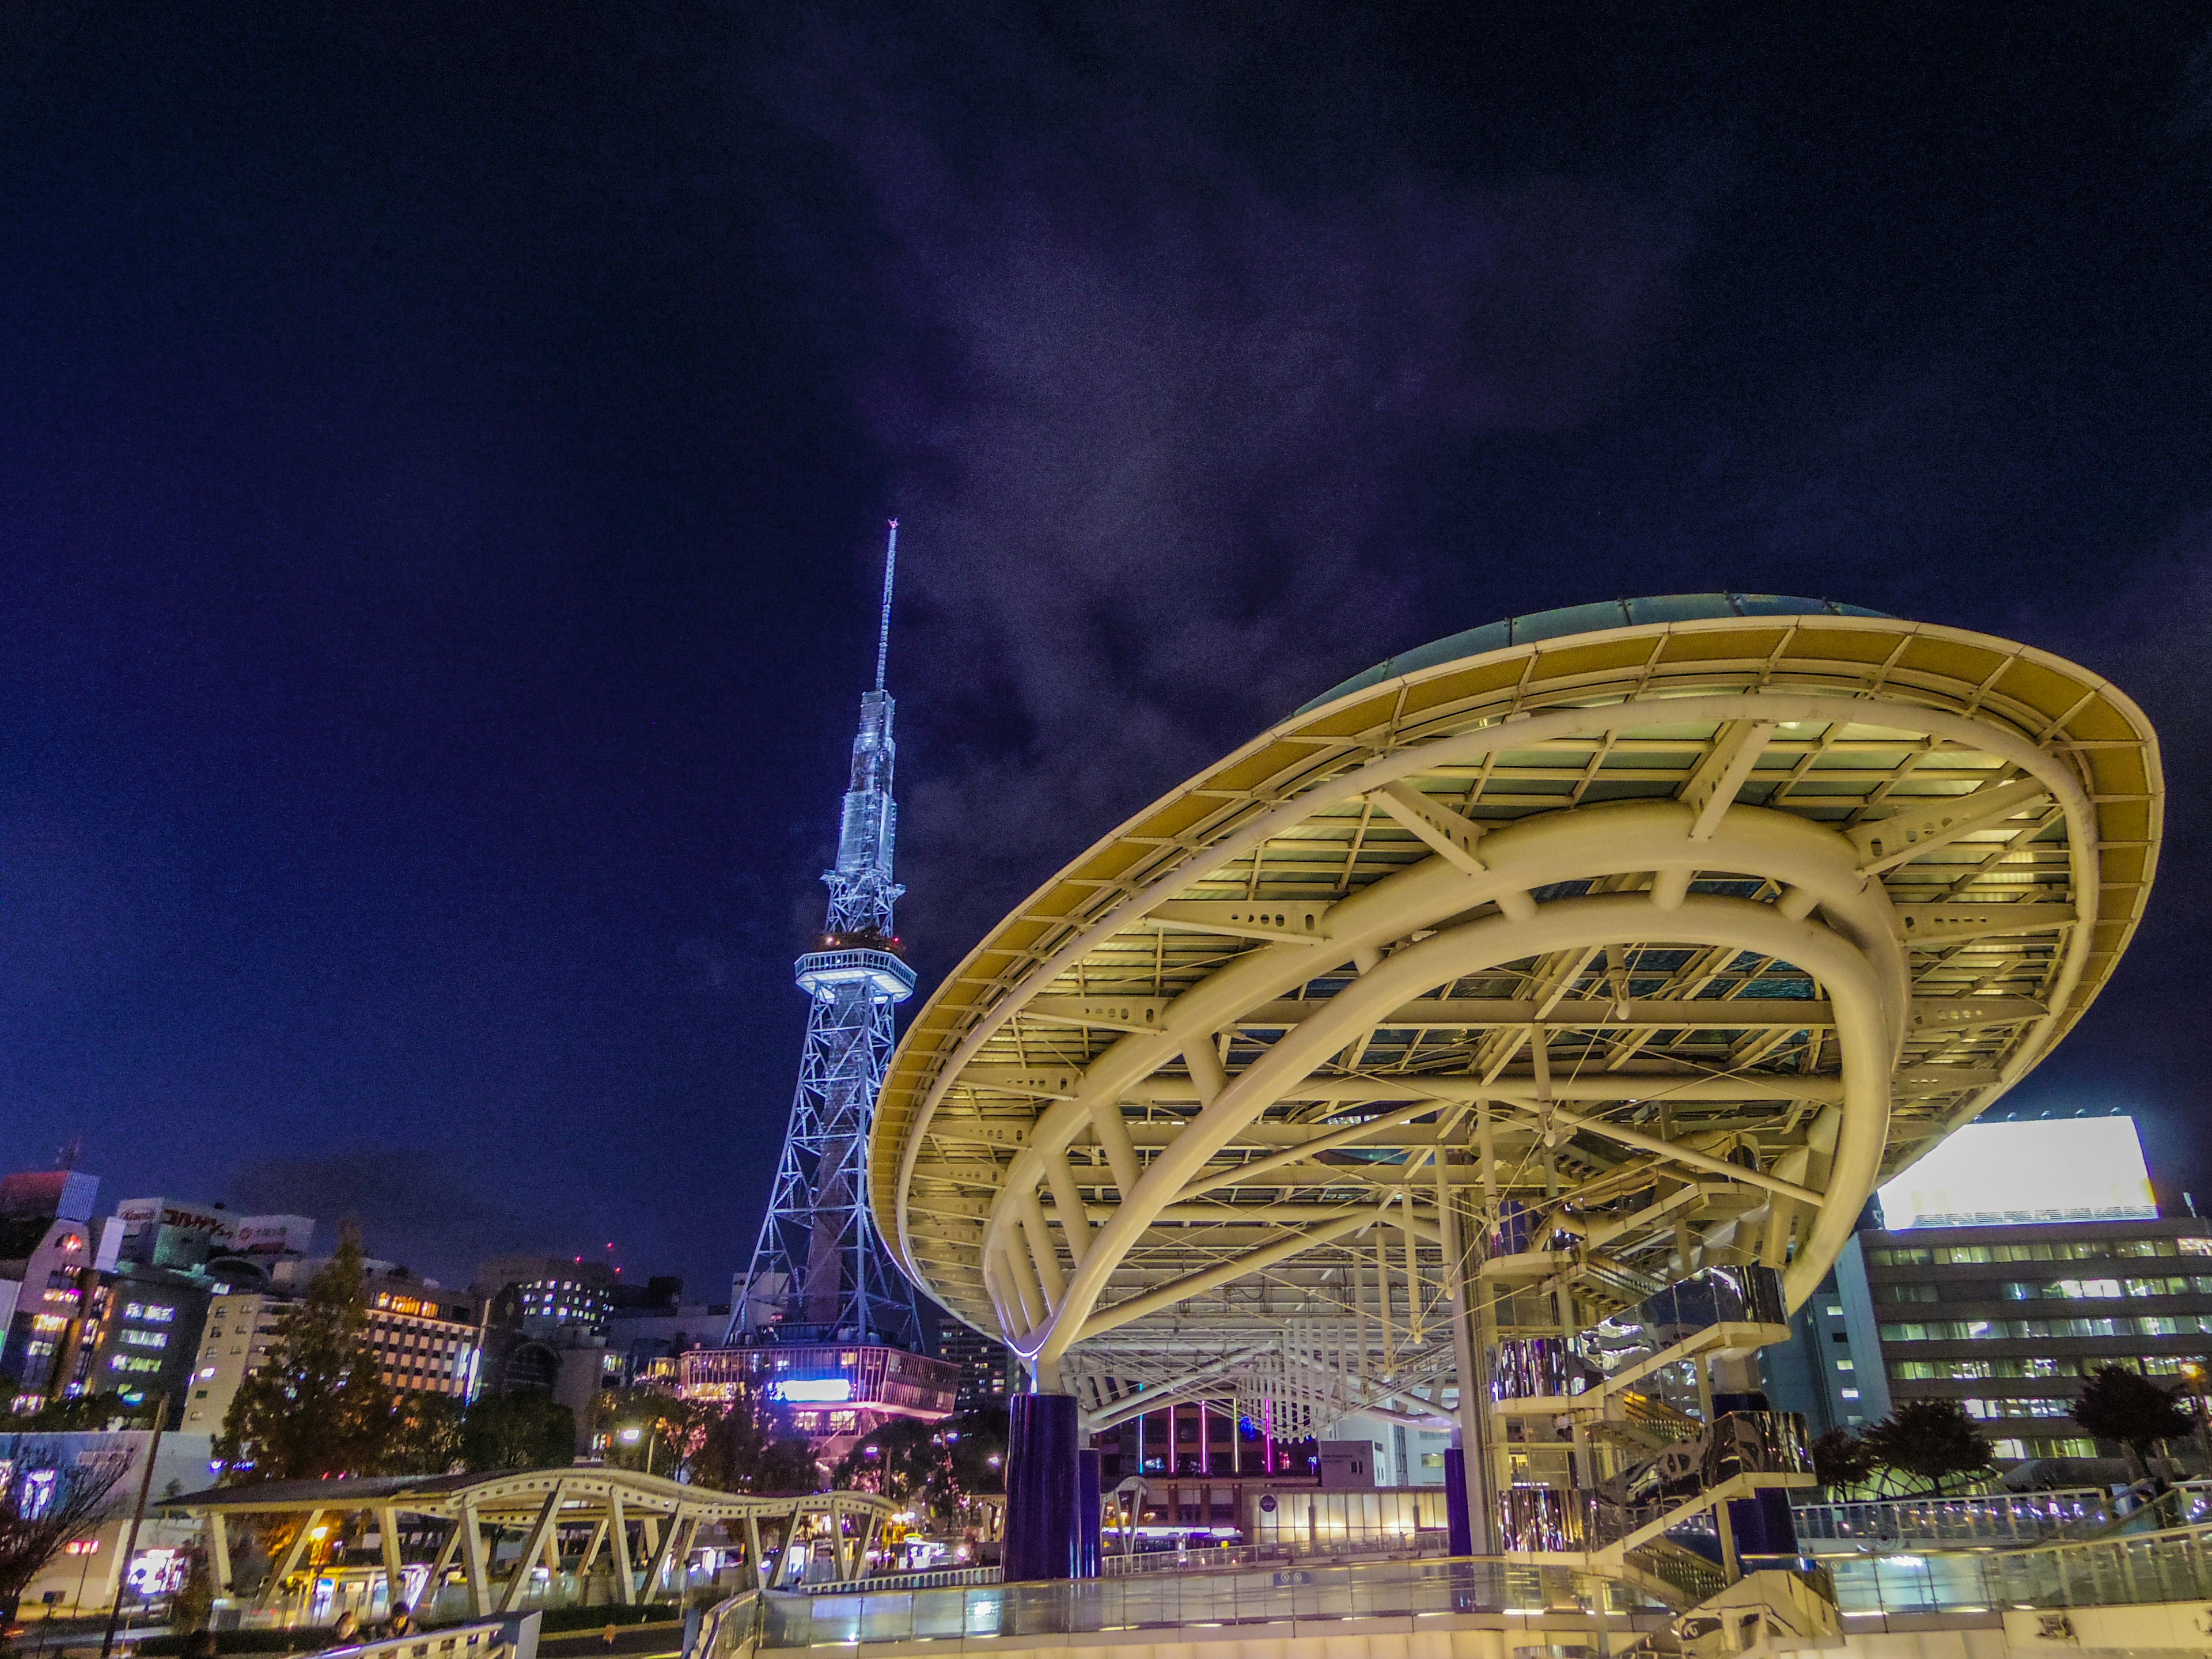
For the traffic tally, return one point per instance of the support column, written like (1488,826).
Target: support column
(472,1545)
(660,1566)
(1466,1496)
(618,1534)
(1042,1486)
(395,1577)
(1087,1498)
(218,1537)
(548,1514)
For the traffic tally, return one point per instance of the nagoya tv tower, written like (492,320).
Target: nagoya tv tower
(819,1271)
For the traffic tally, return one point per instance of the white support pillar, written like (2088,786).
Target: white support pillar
(472,1545)
(218,1538)
(395,1577)
(1460,1302)
(549,1513)
(659,1564)
(618,1533)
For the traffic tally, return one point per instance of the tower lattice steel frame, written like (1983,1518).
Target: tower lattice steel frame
(819,1272)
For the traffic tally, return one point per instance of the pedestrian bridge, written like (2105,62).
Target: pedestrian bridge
(508,1541)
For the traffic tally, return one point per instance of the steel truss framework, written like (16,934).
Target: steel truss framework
(642,1526)
(819,1271)
(1681,934)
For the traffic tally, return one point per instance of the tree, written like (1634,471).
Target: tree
(906,1460)
(424,1436)
(194,1604)
(88,1413)
(748,1449)
(524,1431)
(2121,1405)
(318,1406)
(1839,1461)
(1931,1439)
(649,1430)
(47,1501)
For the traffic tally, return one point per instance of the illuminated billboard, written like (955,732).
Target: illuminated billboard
(2073,1168)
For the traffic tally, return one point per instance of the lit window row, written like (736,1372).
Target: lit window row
(2096,1249)
(1985,1330)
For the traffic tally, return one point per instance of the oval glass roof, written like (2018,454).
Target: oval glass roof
(1585,619)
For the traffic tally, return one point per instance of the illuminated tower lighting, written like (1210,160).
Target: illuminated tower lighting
(819,1273)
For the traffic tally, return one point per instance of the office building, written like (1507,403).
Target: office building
(982,1361)
(550,1294)
(427,1338)
(652,1327)
(2010,1264)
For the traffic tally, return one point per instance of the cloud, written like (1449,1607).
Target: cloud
(1164,436)
(410,1209)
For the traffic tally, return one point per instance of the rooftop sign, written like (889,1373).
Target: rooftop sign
(2075,1169)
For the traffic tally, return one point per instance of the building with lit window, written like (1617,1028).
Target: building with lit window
(2011,1264)
(551,1294)
(983,1362)
(427,1338)
(833,1393)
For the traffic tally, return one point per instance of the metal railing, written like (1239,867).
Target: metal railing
(2169,1566)
(1272,1595)
(494,1638)
(1994,1521)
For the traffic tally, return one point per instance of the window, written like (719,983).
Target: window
(2000,1408)
(1834,1311)
(146,1338)
(1911,1292)
(38,1493)
(1848,1393)
(126,1361)
(2009,1448)
(153,1312)
(2195,1246)
(1846,1365)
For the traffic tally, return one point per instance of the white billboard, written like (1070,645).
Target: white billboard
(2067,1169)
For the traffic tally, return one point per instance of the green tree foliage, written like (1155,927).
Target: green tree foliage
(88,1413)
(905,1459)
(748,1449)
(1931,1440)
(526,1430)
(424,1437)
(650,1430)
(1841,1461)
(318,1406)
(978,1440)
(943,1465)
(49,1499)
(2122,1404)
(194,1604)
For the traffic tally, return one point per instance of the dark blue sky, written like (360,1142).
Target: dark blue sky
(443,453)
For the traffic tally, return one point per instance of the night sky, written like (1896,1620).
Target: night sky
(444,452)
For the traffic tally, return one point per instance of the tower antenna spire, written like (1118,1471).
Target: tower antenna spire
(883,632)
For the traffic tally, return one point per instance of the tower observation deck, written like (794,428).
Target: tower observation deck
(819,1273)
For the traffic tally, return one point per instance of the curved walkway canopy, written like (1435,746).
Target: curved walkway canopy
(643,1521)
(1669,926)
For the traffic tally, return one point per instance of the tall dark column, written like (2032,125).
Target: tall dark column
(1087,1481)
(1459,1524)
(1042,1489)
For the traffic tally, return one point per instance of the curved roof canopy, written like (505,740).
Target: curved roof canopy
(1682,921)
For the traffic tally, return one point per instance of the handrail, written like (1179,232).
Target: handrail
(489,1638)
